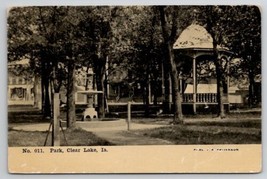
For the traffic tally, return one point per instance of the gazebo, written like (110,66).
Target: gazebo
(194,47)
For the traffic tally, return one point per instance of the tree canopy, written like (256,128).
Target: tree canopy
(138,39)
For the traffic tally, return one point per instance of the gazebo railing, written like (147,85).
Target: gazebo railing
(188,98)
(200,98)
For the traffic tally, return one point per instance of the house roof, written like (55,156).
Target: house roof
(202,88)
(233,89)
(208,88)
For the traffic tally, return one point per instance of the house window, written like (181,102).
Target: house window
(14,81)
(18,94)
(20,81)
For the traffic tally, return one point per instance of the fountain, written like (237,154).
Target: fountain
(90,92)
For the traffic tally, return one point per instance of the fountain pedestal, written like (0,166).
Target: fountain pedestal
(90,112)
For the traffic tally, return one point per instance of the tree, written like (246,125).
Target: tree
(96,34)
(243,39)
(213,15)
(137,49)
(53,23)
(25,41)
(246,42)
(169,38)
(218,20)
(44,39)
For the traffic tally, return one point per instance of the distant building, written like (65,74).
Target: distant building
(20,84)
(23,89)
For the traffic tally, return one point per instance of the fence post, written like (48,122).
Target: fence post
(129,115)
(56,137)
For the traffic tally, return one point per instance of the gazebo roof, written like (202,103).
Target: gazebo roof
(195,37)
(24,61)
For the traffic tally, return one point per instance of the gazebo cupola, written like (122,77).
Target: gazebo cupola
(195,47)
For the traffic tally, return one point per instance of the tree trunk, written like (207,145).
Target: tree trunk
(219,79)
(147,97)
(71,115)
(35,91)
(99,66)
(42,93)
(37,97)
(47,104)
(100,97)
(178,117)
(218,65)
(166,90)
(155,88)
(251,88)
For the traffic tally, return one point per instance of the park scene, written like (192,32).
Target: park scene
(134,75)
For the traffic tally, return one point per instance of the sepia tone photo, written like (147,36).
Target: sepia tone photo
(90,79)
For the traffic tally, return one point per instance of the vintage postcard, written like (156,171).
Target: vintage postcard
(134,89)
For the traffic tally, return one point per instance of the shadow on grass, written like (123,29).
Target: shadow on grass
(75,137)
(26,117)
(242,124)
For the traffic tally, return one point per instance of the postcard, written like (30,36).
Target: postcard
(134,89)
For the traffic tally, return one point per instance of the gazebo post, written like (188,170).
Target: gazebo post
(194,86)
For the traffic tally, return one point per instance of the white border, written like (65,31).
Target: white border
(4,4)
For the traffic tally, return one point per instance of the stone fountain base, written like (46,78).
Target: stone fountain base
(89,114)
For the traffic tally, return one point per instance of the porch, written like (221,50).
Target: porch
(201,98)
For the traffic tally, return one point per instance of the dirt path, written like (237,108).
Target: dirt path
(129,138)
(116,132)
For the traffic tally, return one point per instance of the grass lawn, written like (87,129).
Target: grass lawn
(75,137)
(195,134)
(238,128)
